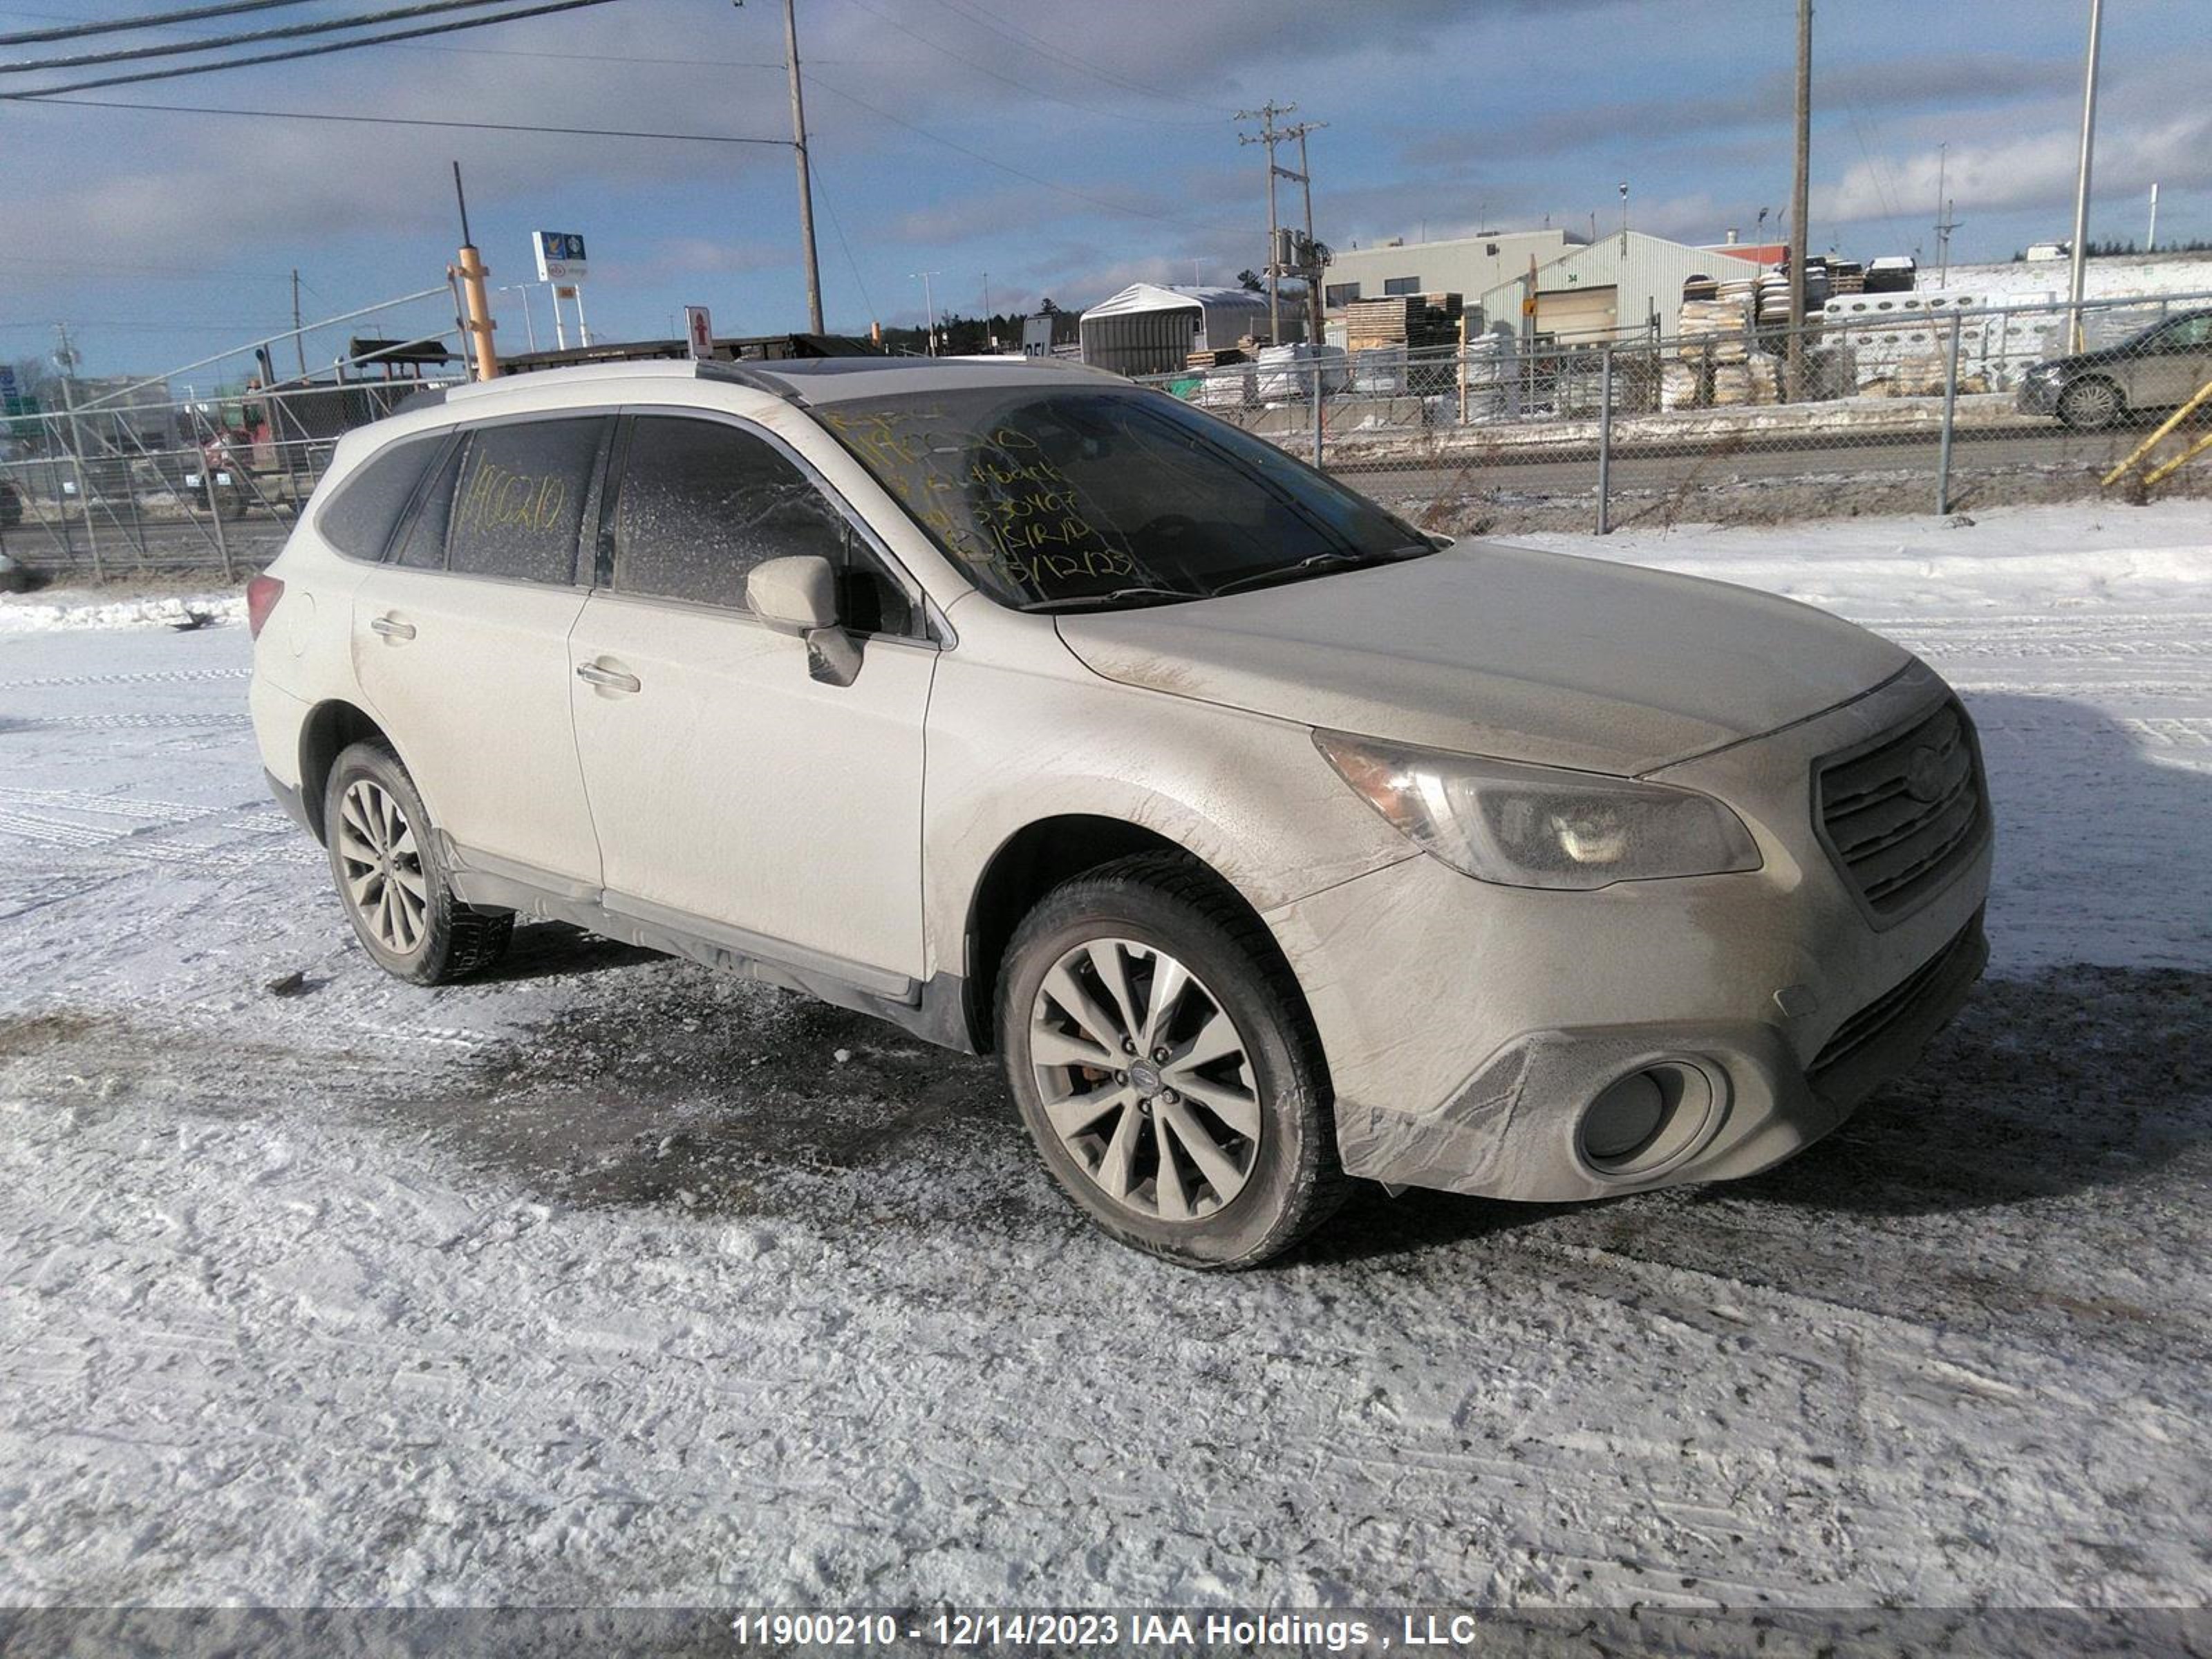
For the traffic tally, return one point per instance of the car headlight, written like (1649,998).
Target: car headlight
(1541,826)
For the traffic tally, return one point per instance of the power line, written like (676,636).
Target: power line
(75,31)
(220,42)
(992,161)
(309,52)
(390,120)
(967,61)
(815,168)
(1044,48)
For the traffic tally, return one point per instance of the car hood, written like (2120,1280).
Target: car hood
(1502,650)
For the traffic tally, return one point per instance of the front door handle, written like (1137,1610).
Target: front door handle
(392,629)
(612,679)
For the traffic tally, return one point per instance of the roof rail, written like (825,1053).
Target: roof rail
(741,374)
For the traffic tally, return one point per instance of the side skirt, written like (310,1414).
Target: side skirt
(934,1009)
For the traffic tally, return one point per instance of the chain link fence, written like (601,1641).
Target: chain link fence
(200,484)
(1890,403)
(1887,403)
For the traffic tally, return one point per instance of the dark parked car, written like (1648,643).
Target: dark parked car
(2161,368)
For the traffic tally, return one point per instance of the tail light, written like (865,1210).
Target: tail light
(261,596)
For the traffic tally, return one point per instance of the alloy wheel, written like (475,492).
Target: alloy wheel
(1145,1080)
(381,866)
(2093,403)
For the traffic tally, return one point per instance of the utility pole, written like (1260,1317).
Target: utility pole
(2150,241)
(928,305)
(299,340)
(1801,185)
(1945,224)
(805,179)
(2080,248)
(470,267)
(1270,136)
(1309,255)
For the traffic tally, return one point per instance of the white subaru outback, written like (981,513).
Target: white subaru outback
(1268,841)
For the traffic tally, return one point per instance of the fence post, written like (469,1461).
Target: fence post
(215,516)
(1950,419)
(1317,415)
(1605,440)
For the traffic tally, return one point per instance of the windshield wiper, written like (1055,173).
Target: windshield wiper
(1336,558)
(1119,595)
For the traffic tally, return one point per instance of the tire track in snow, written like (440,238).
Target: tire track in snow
(151,676)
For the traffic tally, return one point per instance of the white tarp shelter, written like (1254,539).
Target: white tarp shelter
(1148,329)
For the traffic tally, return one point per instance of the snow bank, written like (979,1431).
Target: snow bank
(57,609)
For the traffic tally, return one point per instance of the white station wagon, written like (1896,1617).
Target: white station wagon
(1269,841)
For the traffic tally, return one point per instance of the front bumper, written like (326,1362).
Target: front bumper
(1467,1026)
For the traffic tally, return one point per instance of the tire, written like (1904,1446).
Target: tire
(391,876)
(2091,403)
(1239,1197)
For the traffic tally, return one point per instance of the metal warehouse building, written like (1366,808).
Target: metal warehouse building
(1465,264)
(1147,329)
(1625,284)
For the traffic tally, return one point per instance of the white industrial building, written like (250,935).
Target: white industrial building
(1464,264)
(1625,285)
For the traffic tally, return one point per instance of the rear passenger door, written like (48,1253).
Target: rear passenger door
(461,644)
(728,786)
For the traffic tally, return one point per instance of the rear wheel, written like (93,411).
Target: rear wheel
(2090,405)
(1165,1065)
(391,879)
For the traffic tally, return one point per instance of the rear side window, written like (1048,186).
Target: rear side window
(358,520)
(702,503)
(423,546)
(519,499)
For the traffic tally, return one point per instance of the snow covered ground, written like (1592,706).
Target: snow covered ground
(604,1280)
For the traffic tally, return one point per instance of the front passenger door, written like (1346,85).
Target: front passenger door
(728,786)
(2180,361)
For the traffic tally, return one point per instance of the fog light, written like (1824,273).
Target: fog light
(1647,1119)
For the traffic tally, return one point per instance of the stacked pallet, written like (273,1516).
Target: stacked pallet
(1224,358)
(1416,321)
(1717,330)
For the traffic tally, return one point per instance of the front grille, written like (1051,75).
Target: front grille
(1896,1006)
(1902,816)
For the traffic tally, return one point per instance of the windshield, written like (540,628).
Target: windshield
(1097,499)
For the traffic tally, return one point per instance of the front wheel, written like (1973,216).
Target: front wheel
(2090,405)
(391,878)
(1165,1065)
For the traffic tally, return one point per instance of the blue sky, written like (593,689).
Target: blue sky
(1054,148)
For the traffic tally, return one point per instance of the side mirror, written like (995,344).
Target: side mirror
(798,594)
(794,595)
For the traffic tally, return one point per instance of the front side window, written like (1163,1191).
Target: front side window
(358,520)
(519,502)
(701,503)
(1095,498)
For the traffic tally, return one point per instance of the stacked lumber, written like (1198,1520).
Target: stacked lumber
(1226,356)
(1416,321)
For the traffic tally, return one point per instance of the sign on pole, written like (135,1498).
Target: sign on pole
(699,329)
(560,256)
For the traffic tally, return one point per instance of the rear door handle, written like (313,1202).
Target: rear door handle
(392,629)
(612,679)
